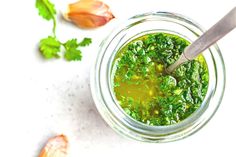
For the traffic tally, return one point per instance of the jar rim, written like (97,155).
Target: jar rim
(138,130)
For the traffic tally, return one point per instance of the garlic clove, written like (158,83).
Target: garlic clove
(55,147)
(89,13)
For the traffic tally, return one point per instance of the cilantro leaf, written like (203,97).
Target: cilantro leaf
(49,47)
(70,44)
(46,9)
(85,42)
(72,52)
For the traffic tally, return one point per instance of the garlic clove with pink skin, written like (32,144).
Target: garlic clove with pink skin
(55,147)
(89,13)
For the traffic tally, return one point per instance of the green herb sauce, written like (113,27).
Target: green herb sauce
(143,88)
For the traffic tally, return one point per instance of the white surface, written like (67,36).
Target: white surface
(40,99)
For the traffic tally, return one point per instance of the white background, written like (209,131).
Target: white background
(40,99)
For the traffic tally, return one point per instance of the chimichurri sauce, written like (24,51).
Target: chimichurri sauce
(143,88)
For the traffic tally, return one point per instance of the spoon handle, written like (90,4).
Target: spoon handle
(219,30)
(216,32)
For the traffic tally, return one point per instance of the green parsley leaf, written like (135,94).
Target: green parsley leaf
(46,9)
(72,52)
(85,42)
(49,47)
(71,44)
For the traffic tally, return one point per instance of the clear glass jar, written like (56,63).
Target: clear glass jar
(101,81)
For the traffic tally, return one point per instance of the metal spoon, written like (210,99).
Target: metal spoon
(219,30)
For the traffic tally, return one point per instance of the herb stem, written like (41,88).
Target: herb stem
(54,27)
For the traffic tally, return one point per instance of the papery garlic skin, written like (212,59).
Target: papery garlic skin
(89,13)
(55,147)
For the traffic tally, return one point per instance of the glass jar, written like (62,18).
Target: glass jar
(101,81)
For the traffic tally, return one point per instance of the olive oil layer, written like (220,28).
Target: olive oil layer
(146,92)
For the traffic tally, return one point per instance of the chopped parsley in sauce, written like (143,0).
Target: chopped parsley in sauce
(146,92)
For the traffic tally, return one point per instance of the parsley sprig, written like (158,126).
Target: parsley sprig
(50,47)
